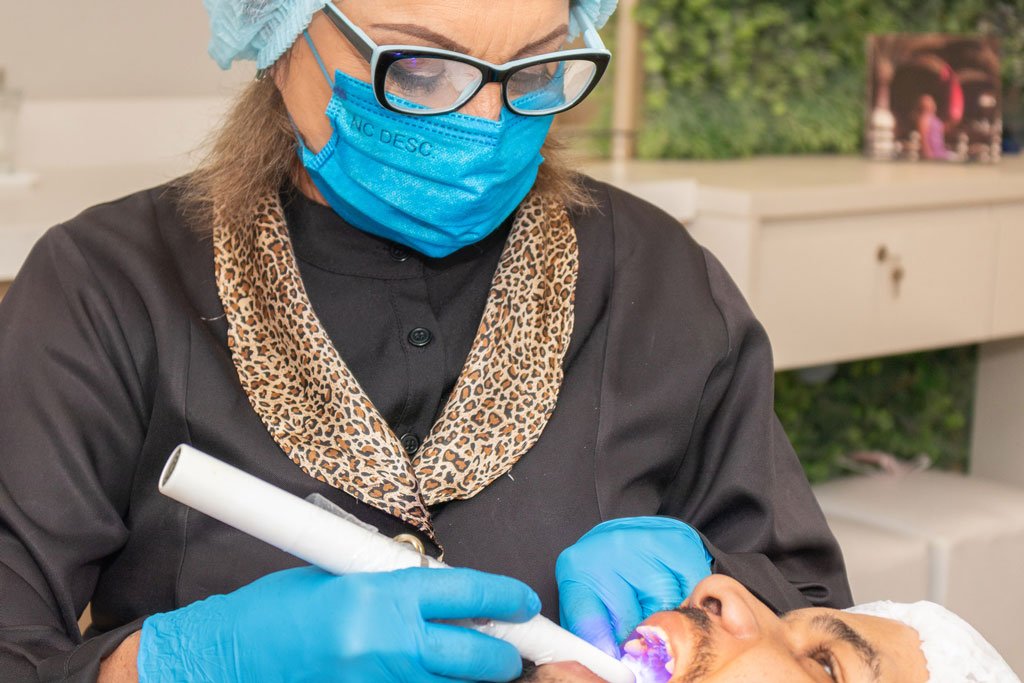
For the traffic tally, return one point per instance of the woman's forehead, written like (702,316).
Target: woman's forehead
(489,29)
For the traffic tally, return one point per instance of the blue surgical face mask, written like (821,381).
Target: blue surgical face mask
(433,183)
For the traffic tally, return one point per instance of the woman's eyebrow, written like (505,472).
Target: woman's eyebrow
(528,50)
(426,34)
(446,43)
(841,630)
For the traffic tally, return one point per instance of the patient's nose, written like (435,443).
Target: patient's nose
(730,606)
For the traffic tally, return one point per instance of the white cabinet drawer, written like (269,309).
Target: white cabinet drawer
(1009,313)
(848,287)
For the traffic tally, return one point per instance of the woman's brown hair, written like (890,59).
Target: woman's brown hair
(254,153)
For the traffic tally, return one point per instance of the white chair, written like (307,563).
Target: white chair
(972,529)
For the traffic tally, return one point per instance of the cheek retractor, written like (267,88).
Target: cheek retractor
(648,655)
(299,527)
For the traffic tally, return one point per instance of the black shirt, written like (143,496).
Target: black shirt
(113,350)
(403,323)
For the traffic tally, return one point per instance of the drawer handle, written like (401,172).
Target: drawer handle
(898,273)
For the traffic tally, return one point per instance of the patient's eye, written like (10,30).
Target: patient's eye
(824,657)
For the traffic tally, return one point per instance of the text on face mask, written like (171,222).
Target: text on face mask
(401,141)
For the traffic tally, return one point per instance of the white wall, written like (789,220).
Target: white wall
(111,48)
(119,94)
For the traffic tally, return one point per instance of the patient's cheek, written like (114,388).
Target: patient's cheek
(758,665)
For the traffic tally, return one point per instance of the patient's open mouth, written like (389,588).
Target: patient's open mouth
(670,645)
(648,654)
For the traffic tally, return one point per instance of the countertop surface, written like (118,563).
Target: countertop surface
(778,187)
(768,187)
(59,194)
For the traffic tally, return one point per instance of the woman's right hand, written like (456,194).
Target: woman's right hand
(307,625)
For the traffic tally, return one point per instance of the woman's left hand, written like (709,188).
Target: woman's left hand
(622,571)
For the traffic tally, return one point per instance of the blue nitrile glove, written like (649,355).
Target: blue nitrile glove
(624,570)
(307,625)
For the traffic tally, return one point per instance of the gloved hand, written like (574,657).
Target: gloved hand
(622,571)
(307,625)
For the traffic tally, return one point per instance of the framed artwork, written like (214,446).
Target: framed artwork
(933,97)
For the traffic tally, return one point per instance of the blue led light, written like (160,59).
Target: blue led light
(646,654)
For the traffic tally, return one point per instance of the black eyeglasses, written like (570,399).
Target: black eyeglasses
(425,81)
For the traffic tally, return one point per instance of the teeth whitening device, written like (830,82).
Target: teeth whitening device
(299,527)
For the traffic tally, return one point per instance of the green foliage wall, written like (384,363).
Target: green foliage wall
(732,78)
(904,405)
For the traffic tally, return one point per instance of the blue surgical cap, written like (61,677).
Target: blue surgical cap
(599,12)
(262,30)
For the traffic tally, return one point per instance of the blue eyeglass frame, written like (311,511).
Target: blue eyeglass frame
(381,57)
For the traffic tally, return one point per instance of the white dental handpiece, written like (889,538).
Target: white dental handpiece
(299,527)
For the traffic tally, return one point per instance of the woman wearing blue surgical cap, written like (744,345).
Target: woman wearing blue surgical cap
(384,287)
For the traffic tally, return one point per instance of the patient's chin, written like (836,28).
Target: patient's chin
(562,672)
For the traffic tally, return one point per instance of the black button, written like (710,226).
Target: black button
(410,443)
(420,336)
(399,254)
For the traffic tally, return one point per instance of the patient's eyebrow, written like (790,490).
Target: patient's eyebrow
(841,630)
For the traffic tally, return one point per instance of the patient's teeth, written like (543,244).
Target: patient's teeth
(636,647)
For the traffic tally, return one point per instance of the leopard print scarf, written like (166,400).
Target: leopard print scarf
(318,414)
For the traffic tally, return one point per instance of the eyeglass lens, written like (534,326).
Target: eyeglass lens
(418,83)
(550,86)
(430,83)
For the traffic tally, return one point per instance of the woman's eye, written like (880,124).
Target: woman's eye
(534,81)
(529,81)
(526,83)
(416,79)
(416,84)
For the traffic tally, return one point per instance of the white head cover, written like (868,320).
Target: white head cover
(262,30)
(954,651)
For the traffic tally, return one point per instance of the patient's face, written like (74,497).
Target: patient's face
(722,633)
